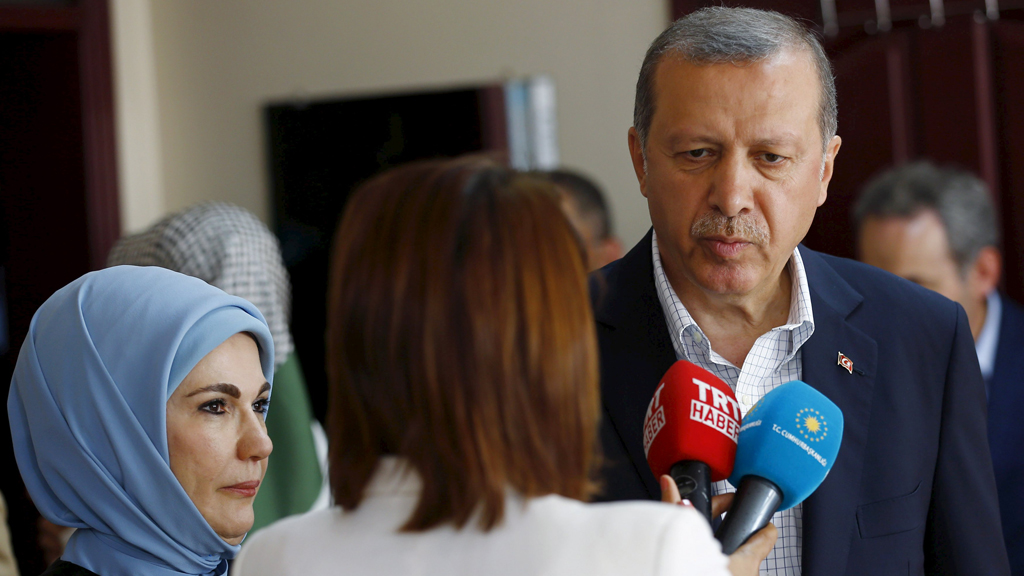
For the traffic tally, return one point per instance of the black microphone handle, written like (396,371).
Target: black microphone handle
(756,501)
(694,481)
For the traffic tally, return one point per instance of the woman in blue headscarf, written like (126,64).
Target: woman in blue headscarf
(136,410)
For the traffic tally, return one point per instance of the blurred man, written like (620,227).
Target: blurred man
(733,144)
(937,227)
(585,207)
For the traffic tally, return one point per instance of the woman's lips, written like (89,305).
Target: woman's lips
(244,489)
(726,247)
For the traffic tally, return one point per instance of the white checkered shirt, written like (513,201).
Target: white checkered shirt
(774,360)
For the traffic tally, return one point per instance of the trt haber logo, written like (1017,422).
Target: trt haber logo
(707,405)
(722,412)
(654,420)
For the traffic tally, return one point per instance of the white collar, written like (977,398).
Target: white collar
(394,475)
(988,340)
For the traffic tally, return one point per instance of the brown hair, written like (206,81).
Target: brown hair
(460,337)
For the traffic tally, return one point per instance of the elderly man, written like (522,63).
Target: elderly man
(937,227)
(733,146)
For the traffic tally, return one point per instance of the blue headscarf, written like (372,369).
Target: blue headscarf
(88,407)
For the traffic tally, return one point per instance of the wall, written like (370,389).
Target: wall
(215,64)
(139,162)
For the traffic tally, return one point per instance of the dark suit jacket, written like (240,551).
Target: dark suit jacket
(1006,429)
(912,490)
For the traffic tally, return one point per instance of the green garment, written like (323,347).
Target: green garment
(293,479)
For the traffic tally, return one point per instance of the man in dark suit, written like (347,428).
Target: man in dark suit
(733,145)
(938,228)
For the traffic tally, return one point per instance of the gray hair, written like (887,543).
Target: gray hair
(960,198)
(719,35)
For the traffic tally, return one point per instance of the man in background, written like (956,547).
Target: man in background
(937,227)
(587,210)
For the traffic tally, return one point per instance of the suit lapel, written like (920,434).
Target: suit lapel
(830,512)
(636,351)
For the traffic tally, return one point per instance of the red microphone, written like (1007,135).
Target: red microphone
(690,431)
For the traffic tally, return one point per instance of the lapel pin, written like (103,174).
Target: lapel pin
(845,362)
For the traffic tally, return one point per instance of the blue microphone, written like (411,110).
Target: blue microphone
(788,443)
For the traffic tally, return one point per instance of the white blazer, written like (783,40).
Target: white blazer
(543,536)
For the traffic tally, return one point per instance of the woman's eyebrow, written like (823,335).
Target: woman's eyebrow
(229,389)
(265,387)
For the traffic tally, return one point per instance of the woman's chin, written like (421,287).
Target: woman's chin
(230,516)
(234,532)
(233,540)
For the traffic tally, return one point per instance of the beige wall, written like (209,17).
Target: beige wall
(216,63)
(139,162)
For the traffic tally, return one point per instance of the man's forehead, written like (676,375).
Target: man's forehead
(773,96)
(793,60)
(764,133)
(792,54)
(915,247)
(922,221)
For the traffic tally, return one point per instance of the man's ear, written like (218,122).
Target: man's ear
(828,166)
(636,154)
(985,273)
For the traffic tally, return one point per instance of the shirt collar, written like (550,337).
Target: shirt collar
(394,476)
(800,323)
(988,340)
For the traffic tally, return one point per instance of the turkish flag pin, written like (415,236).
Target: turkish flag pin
(846,362)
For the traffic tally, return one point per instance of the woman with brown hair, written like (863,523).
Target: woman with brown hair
(464,397)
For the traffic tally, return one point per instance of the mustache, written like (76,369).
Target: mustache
(744,227)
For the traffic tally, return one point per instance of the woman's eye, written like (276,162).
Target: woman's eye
(261,406)
(214,407)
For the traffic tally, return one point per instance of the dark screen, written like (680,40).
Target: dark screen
(318,153)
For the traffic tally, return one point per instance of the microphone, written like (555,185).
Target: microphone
(787,445)
(690,431)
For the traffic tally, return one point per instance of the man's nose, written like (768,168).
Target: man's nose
(732,190)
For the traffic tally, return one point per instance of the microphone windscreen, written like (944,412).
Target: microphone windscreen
(693,416)
(790,437)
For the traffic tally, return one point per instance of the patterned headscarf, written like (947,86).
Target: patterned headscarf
(88,413)
(227,247)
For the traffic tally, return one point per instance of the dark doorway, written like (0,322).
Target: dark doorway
(320,150)
(58,195)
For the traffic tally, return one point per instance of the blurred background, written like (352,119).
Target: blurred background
(115,113)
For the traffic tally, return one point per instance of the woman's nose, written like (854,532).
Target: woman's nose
(254,443)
